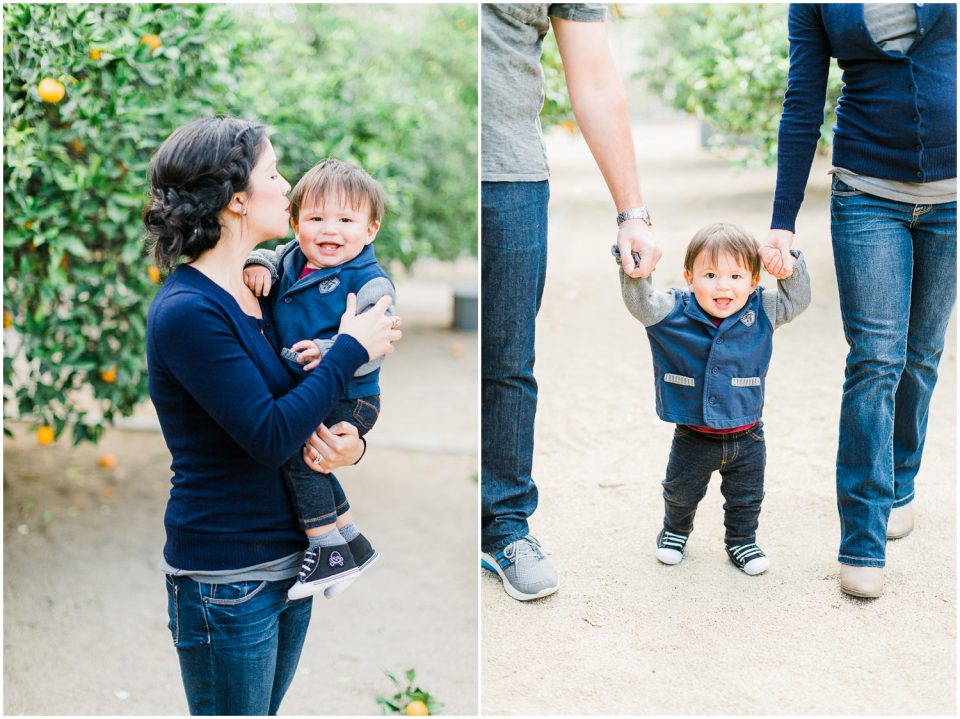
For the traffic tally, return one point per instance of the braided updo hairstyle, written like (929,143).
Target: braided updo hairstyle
(193,176)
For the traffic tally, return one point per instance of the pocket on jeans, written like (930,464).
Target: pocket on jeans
(366,411)
(226,595)
(173,608)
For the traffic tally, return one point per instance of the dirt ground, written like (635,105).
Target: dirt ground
(84,601)
(628,635)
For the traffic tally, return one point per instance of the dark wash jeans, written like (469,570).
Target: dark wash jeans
(238,644)
(739,456)
(513,270)
(318,498)
(896,267)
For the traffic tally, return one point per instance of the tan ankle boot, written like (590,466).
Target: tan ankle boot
(861,581)
(900,523)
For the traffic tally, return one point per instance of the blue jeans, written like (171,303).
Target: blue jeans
(740,458)
(896,269)
(238,644)
(319,498)
(513,270)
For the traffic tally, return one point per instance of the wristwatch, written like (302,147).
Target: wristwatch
(634,213)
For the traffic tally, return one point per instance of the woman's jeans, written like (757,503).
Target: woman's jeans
(238,644)
(513,271)
(896,272)
(740,457)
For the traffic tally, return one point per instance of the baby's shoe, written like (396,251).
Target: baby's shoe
(364,555)
(749,558)
(323,566)
(670,546)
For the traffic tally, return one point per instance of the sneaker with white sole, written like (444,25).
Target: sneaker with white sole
(364,555)
(523,568)
(322,566)
(749,558)
(670,546)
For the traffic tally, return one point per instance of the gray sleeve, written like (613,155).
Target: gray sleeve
(645,303)
(266,258)
(580,12)
(792,296)
(367,297)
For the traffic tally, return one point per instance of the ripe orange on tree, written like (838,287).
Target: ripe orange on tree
(154,272)
(96,53)
(51,90)
(45,435)
(109,375)
(7,319)
(151,41)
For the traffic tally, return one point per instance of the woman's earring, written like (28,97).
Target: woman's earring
(244,212)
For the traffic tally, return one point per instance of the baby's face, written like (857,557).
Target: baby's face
(721,287)
(331,231)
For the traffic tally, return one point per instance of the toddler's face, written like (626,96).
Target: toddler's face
(331,231)
(721,287)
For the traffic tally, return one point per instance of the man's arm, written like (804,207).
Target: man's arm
(600,106)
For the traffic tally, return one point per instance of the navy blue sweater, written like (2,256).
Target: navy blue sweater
(231,414)
(897,114)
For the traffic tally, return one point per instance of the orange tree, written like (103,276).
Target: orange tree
(89,92)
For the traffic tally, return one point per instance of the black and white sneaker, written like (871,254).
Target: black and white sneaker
(364,555)
(749,558)
(323,566)
(670,547)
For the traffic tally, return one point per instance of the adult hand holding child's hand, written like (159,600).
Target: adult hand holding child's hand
(636,236)
(775,254)
(373,329)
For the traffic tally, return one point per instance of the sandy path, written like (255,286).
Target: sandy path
(627,635)
(84,604)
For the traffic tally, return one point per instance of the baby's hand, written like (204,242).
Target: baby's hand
(309,352)
(772,260)
(258,279)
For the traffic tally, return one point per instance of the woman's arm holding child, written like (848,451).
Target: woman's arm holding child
(312,351)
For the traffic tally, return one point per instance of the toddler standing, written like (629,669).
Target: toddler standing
(711,348)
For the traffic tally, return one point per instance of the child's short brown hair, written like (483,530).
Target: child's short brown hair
(350,182)
(724,237)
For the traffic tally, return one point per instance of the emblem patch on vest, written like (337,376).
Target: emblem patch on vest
(328,286)
(748,318)
(336,559)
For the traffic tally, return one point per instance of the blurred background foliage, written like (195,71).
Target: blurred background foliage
(91,90)
(725,63)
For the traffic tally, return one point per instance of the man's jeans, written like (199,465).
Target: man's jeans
(513,270)
(740,458)
(238,644)
(896,271)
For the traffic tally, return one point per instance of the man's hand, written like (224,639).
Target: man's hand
(636,236)
(309,352)
(775,254)
(258,279)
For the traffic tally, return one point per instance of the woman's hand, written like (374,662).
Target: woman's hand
(373,329)
(327,449)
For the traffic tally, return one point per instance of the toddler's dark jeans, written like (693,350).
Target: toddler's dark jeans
(318,498)
(740,457)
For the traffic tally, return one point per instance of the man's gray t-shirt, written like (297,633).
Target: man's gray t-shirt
(512,85)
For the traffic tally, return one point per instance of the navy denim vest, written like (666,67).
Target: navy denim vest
(711,376)
(311,308)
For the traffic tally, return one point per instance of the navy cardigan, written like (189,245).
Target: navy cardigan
(230,415)
(897,114)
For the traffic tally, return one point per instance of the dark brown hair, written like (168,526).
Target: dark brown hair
(724,237)
(348,181)
(193,175)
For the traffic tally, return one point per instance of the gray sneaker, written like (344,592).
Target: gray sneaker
(524,570)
